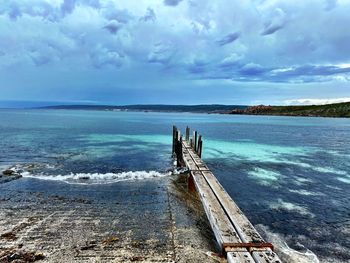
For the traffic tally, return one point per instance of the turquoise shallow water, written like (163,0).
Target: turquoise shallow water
(291,176)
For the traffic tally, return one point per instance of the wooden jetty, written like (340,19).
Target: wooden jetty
(236,236)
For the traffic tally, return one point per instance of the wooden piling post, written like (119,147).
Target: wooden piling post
(199,139)
(199,145)
(174,134)
(187,134)
(195,144)
(179,157)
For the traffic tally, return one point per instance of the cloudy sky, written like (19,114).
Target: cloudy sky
(175,51)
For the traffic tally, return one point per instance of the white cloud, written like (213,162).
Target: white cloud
(231,60)
(104,57)
(315,101)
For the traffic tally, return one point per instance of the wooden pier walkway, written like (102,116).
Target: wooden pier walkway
(236,236)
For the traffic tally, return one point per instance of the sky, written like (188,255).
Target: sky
(175,51)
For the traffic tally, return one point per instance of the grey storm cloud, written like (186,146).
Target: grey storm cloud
(161,53)
(228,39)
(39,59)
(252,72)
(304,73)
(275,23)
(172,2)
(198,66)
(252,69)
(271,29)
(68,6)
(16,9)
(200,40)
(149,16)
(113,26)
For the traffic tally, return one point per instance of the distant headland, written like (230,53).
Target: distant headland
(328,110)
(341,110)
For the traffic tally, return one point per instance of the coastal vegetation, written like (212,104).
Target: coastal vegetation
(328,110)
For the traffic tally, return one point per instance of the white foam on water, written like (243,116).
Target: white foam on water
(283,205)
(329,170)
(264,177)
(117,138)
(345,179)
(302,180)
(286,253)
(98,178)
(305,192)
(254,151)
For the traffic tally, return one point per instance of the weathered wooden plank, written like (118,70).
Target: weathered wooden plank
(244,228)
(219,223)
(239,257)
(232,214)
(221,226)
(265,256)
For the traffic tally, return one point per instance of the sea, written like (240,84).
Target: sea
(289,175)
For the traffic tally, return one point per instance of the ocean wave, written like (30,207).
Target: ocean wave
(98,178)
(286,253)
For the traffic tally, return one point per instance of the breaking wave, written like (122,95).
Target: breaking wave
(98,178)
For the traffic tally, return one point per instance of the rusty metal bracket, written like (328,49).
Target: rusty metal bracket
(232,247)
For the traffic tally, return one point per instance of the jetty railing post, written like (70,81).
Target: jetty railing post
(179,157)
(187,134)
(174,134)
(195,141)
(176,139)
(199,146)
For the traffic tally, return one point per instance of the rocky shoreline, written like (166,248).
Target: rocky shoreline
(9,175)
(154,220)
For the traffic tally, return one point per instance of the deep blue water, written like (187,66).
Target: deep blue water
(291,176)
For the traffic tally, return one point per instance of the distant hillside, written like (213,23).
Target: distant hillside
(328,110)
(214,108)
